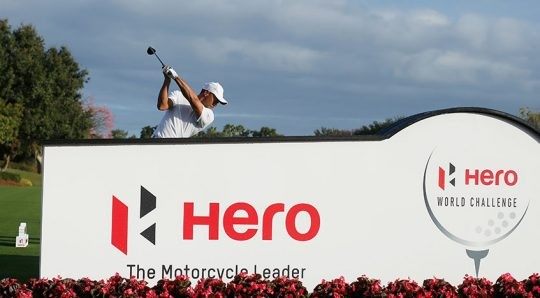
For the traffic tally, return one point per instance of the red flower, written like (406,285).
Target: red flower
(475,287)
(245,285)
(10,287)
(507,286)
(286,287)
(365,287)
(336,288)
(210,287)
(403,288)
(438,288)
(532,285)
(179,287)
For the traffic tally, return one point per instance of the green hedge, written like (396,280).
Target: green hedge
(10,176)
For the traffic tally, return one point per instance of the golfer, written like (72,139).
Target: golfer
(186,113)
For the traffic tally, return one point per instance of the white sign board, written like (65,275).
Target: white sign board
(22,239)
(440,195)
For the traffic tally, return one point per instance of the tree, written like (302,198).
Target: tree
(375,126)
(210,132)
(533,118)
(265,132)
(119,134)
(45,84)
(147,132)
(231,130)
(10,114)
(370,129)
(10,118)
(102,120)
(333,132)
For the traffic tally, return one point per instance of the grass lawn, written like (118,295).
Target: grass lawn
(35,178)
(20,204)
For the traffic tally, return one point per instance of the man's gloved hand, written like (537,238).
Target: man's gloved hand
(170,72)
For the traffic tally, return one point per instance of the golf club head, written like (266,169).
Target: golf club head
(152,51)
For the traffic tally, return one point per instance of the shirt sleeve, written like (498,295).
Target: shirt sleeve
(207,117)
(176,96)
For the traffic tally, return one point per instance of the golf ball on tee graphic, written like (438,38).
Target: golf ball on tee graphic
(475,199)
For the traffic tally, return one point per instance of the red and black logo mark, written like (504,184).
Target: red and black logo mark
(443,178)
(119,226)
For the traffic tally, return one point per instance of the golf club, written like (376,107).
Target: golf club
(152,51)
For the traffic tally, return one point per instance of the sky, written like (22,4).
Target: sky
(298,65)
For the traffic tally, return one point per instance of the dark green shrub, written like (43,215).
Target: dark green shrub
(24,165)
(10,176)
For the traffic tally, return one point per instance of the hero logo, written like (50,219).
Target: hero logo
(119,224)
(484,177)
(489,177)
(442,176)
(230,221)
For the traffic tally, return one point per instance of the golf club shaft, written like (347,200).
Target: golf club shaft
(162,64)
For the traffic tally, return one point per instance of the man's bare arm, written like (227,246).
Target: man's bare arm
(190,95)
(163,101)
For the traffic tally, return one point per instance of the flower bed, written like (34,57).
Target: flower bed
(245,285)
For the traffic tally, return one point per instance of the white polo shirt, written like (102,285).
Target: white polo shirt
(181,121)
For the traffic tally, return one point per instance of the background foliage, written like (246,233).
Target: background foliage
(40,95)
(41,99)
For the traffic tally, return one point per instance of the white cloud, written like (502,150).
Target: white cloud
(419,18)
(473,30)
(511,35)
(452,67)
(429,18)
(496,36)
(275,56)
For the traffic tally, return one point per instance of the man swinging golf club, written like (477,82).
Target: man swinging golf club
(186,113)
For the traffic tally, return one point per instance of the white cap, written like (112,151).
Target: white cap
(217,90)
